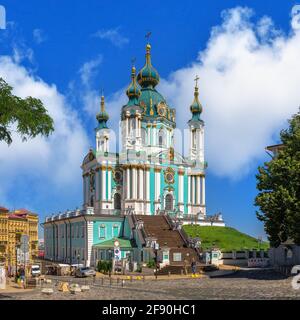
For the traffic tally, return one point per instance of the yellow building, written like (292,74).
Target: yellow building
(12,226)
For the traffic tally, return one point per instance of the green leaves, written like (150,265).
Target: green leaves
(26,116)
(279,184)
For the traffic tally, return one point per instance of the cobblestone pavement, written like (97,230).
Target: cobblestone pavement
(245,284)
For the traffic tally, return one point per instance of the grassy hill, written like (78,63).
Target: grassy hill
(225,238)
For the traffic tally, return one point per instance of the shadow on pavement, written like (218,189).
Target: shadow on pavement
(257,274)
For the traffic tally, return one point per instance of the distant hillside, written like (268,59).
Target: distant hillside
(225,238)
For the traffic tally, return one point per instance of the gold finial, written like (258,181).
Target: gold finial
(196,80)
(102,101)
(148,34)
(133,67)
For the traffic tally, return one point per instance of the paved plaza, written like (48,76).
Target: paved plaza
(244,284)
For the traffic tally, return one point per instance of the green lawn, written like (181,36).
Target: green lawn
(225,238)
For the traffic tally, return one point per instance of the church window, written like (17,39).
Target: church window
(102,232)
(177,256)
(162,137)
(115,231)
(117,201)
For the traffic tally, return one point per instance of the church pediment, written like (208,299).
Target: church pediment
(170,155)
(89,157)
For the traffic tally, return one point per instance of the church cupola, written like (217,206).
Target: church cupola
(102,116)
(196,107)
(133,92)
(148,76)
(196,125)
(102,131)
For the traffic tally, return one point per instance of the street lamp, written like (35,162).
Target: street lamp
(78,258)
(155,247)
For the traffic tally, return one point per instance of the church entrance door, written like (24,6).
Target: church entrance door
(117,201)
(169,202)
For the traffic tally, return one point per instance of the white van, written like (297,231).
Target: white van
(35,270)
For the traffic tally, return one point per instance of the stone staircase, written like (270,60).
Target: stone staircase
(159,227)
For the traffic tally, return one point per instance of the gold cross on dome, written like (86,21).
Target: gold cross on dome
(133,60)
(148,34)
(196,80)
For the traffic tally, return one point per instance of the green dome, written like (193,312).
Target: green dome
(102,116)
(196,107)
(133,91)
(149,100)
(148,76)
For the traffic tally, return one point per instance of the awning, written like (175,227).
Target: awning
(109,244)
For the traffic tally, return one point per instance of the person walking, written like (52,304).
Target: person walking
(193,266)
(22,276)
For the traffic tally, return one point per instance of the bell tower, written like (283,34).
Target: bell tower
(102,131)
(196,125)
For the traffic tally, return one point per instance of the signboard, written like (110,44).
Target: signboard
(117,253)
(22,257)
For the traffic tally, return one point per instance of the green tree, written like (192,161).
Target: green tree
(28,117)
(278,182)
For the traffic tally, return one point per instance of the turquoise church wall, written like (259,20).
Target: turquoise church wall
(108,230)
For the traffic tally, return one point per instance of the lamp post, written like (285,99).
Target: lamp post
(78,258)
(110,265)
(155,247)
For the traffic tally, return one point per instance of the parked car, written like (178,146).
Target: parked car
(295,270)
(35,270)
(85,272)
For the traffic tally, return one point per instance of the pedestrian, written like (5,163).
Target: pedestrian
(22,276)
(193,266)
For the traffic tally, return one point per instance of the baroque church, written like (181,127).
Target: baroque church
(140,196)
(147,176)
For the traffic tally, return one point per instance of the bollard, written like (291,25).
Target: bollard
(123,283)
(169,273)
(94,279)
(102,281)
(181,272)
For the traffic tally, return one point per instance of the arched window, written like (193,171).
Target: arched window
(117,201)
(92,201)
(169,202)
(161,137)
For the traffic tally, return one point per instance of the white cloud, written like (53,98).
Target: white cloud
(113,35)
(89,69)
(249,85)
(55,161)
(39,36)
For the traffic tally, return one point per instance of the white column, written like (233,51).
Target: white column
(134,183)
(203,191)
(192,190)
(128,182)
(180,188)
(103,173)
(189,189)
(157,185)
(198,189)
(141,184)
(154,135)
(148,135)
(97,185)
(109,184)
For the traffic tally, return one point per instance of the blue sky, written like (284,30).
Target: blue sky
(69,50)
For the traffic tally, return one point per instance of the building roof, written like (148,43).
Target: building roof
(3,210)
(275,147)
(109,244)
